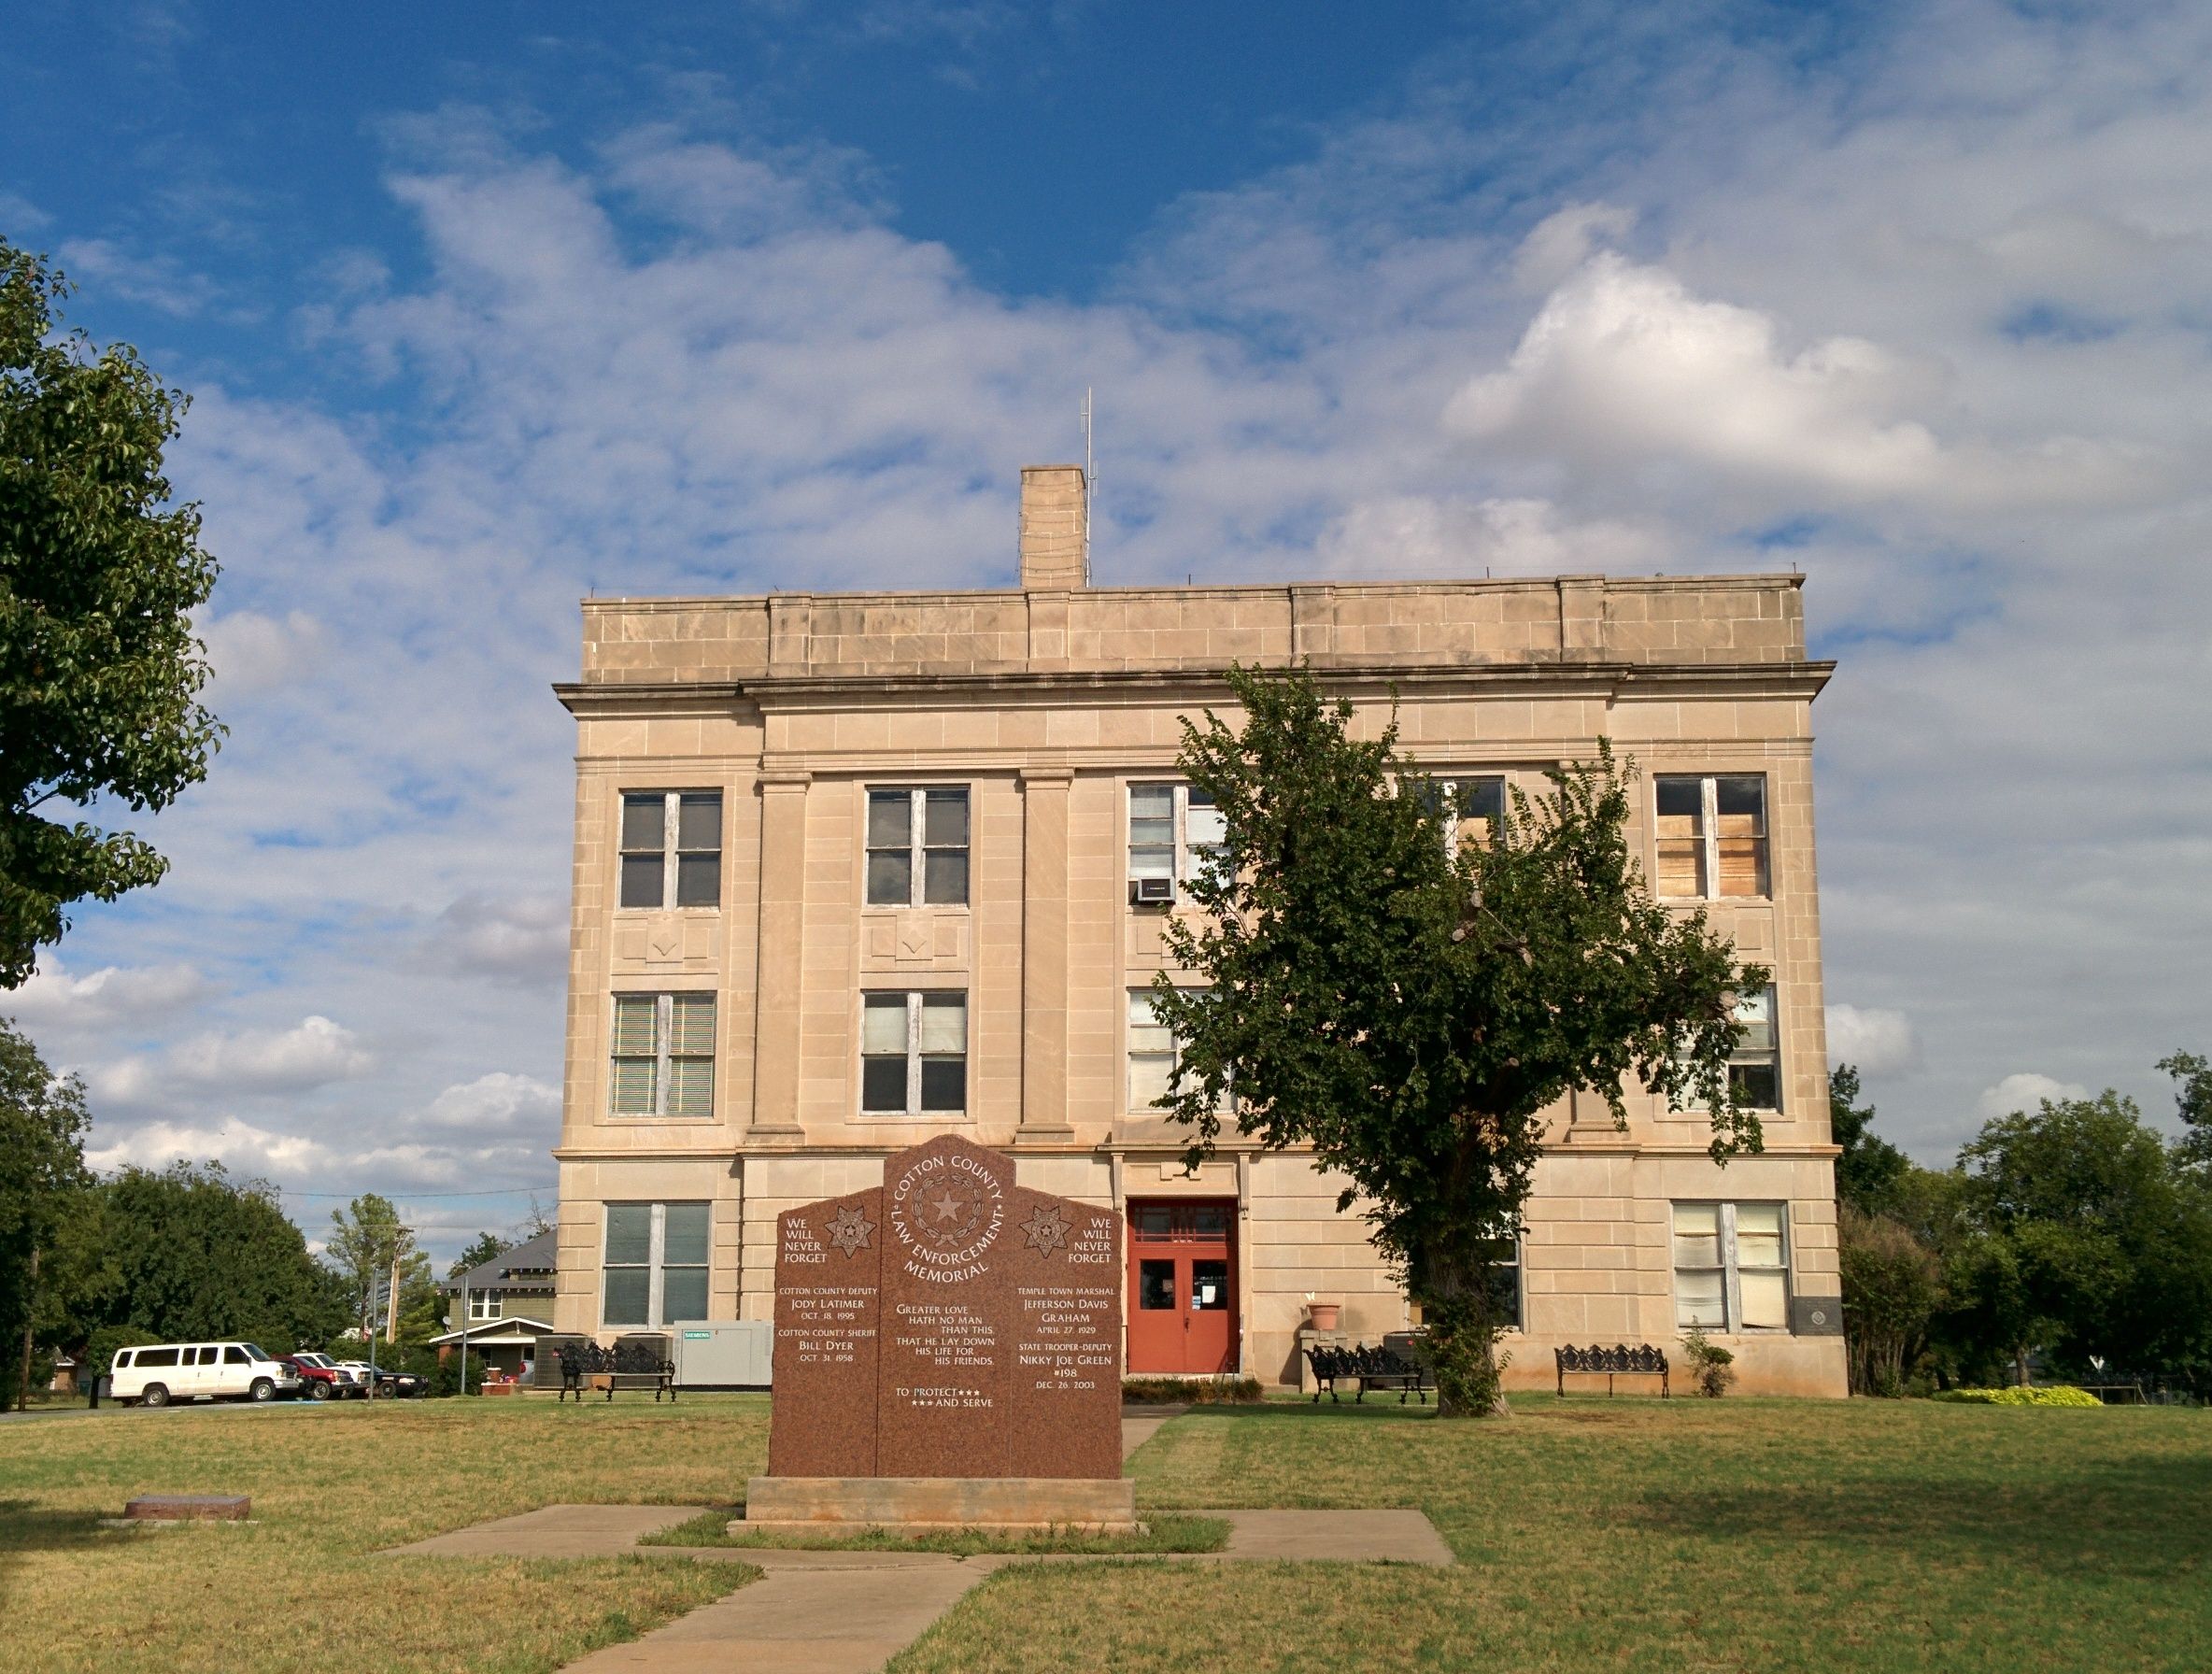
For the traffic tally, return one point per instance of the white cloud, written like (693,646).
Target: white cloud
(497,1102)
(1624,366)
(113,996)
(1567,238)
(2024,1090)
(238,1145)
(1878,1042)
(1421,536)
(312,1054)
(522,940)
(159,281)
(252,652)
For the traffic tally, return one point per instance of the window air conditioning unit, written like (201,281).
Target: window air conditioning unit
(1153,892)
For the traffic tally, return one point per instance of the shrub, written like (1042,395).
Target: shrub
(1711,1367)
(2055,1395)
(1203,1392)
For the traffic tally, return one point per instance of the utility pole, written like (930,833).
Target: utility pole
(391,1305)
(22,1398)
(464,1332)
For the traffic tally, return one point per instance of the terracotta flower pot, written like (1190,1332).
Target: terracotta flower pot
(1325,1314)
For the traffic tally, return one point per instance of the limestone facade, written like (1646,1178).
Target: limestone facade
(1048,705)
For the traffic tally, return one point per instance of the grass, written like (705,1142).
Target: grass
(1159,1534)
(1690,1537)
(1686,1536)
(302,1586)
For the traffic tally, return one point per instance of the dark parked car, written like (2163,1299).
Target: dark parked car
(394,1386)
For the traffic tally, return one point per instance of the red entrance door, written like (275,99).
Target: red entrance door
(1182,1286)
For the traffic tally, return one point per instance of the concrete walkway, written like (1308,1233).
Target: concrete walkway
(850,1612)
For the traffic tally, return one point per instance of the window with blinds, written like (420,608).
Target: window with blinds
(671,848)
(1731,1266)
(655,1265)
(1711,836)
(1152,1053)
(663,1056)
(1175,831)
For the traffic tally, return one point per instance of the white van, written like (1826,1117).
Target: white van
(184,1371)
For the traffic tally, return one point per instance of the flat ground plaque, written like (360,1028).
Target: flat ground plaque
(948,1324)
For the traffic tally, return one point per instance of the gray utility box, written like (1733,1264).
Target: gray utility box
(730,1354)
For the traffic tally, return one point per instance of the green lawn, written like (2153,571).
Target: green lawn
(1677,1537)
(301,1586)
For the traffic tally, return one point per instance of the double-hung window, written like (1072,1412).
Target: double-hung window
(1712,835)
(1471,810)
(1175,831)
(1154,1053)
(484,1304)
(1731,1266)
(914,1052)
(917,845)
(671,848)
(657,1263)
(663,1055)
(1755,1067)
(1505,1280)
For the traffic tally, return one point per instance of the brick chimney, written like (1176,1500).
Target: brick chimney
(1055,537)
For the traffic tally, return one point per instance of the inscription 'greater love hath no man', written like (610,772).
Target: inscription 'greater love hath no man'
(948,1323)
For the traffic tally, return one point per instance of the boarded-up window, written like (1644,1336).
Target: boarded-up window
(1711,836)
(1731,1266)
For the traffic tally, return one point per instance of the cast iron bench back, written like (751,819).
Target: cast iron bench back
(626,1366)
(1618,1361)
(1374,1367)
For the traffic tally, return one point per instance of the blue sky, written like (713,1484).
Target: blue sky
(486,306)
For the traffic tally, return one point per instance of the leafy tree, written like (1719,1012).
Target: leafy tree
(1411,1007)
(1892,1284)
(99,671)
(2089,1239)
(199,1254)
(366,1239)
(479,1249)
(42,1178)
(2192,1098)
(1871,1170)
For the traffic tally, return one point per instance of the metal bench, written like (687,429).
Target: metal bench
(1618,1361)
(626,1366)
(1374,1367)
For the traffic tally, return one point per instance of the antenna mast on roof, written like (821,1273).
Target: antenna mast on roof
(1090,485)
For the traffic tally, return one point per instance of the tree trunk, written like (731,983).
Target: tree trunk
(1456,1306)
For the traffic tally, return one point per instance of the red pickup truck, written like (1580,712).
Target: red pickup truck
(324,1379)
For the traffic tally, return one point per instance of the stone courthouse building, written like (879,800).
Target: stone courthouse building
(854,870)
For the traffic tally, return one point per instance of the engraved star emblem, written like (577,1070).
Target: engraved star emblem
(1048,1228)
(850,1230)
(947,1206)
